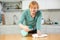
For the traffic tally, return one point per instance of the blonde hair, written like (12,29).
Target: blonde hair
(34,3)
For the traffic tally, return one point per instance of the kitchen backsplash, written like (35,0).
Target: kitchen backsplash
(12,17)
(54,15)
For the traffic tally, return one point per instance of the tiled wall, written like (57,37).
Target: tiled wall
(54,15)
(9,19)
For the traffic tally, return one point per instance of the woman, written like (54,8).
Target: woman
(30,21)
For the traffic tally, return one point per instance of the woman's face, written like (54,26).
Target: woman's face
(33,9)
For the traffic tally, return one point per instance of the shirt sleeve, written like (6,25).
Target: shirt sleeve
(38,24)
(22,18)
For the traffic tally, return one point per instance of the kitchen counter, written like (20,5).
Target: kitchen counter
(29,37)
(58,26)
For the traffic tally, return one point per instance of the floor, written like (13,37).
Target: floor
(29,37)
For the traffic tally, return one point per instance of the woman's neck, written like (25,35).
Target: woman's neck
(33,15)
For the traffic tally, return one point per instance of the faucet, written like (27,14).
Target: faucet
(14,19)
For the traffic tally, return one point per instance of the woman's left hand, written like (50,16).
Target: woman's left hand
(38,32)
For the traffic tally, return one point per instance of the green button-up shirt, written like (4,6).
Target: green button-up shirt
(35,22)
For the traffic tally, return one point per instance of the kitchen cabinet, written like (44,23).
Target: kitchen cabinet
(53,4)
(53,29)
(43,4)
(14,29)
(12,6)
(24,4)
(9,29)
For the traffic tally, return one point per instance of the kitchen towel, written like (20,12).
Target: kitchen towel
(36,35)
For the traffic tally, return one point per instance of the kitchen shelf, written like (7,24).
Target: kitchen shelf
(12,6)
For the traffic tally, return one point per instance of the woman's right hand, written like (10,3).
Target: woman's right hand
(26,28)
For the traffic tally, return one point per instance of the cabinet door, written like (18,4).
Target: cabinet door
(53,29)
(53,4)
(42,4)
(25,4)
(50,29)
(43,29)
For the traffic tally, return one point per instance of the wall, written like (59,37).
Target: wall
(54,15)
(9,19)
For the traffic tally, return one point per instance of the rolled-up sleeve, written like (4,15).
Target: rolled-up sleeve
(22,18)
(38,24)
